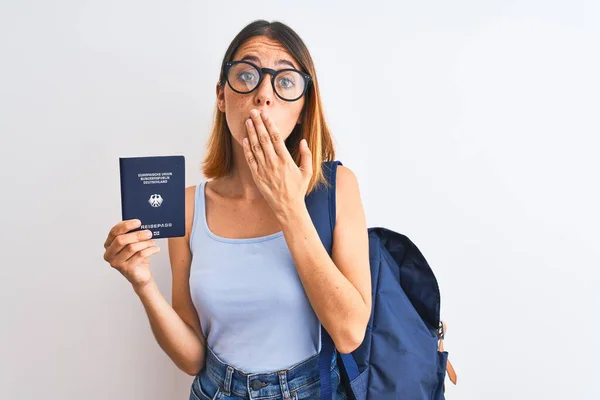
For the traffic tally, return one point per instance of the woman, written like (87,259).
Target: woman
(252,282)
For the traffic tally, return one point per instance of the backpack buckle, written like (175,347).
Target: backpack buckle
(440,330)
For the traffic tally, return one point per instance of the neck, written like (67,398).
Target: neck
(240,183)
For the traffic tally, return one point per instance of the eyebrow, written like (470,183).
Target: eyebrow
(279,62)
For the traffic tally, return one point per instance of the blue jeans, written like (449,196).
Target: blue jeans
(218,380)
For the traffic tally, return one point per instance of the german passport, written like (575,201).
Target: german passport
(153,191)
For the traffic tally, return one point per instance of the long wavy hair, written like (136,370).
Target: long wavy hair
(313,126)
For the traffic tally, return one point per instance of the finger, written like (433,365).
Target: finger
(130,250)
(277,141)
(305,158)
(124,239)
(264,138)
(254,143)
(120,228)
(250,158)
(138,252)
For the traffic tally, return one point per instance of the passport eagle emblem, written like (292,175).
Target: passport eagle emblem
(155,200)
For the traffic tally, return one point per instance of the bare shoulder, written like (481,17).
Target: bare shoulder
(345,176)
(190,203)
(347,193)
(179,247)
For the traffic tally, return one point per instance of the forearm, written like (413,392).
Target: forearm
(336,302)
(172,333)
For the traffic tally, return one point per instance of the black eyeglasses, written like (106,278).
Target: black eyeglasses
(244,77)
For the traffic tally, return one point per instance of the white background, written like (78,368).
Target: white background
(472,127)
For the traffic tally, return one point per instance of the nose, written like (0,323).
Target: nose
(264,92)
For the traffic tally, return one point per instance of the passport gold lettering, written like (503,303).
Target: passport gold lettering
(160,225)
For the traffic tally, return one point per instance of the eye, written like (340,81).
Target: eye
(286,82)
(246,76)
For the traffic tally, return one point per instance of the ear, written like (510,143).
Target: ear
(220,97)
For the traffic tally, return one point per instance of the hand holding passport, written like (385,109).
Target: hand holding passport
(153,191)
(128,252)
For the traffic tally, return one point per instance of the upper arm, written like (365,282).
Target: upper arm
(180,258)
(350,251)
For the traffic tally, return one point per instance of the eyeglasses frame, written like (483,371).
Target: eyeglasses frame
(261,74)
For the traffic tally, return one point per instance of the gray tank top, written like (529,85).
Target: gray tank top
(251,304)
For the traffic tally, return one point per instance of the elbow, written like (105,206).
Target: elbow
(193,365)
(352,336)
(191,372)
(193,369)
(351,340)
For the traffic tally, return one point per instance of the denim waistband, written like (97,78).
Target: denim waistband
(263,384)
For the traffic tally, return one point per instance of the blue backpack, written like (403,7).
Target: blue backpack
(400,357)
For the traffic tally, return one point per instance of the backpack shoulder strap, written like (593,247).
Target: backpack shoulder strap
(320,204)
(332,166)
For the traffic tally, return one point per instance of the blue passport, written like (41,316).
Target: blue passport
(153,191)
